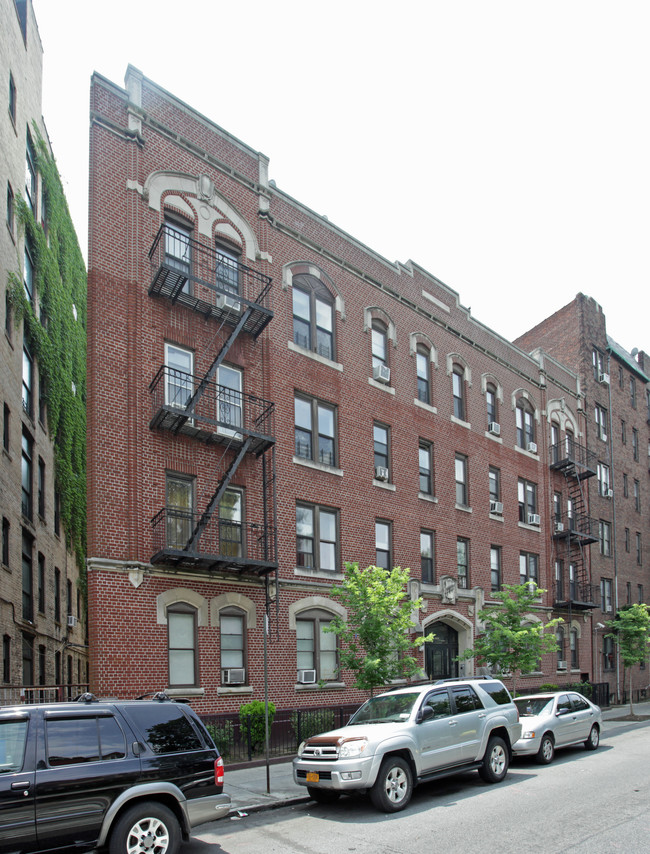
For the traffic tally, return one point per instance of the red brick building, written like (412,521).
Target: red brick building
(269,398)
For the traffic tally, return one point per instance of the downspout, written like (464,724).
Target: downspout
(614,537)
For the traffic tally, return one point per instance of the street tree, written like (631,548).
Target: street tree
(376,638)
(630,630)
(512,642)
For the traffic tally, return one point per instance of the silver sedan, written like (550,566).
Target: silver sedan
(556,720)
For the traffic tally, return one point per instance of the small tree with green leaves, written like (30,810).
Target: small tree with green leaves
(512,643)
(630,630)
(376,640)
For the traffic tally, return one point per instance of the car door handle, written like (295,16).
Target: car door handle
(482,715)
(453,723)
(20,786)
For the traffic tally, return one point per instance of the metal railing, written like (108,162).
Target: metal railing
(570,454)
(14,695)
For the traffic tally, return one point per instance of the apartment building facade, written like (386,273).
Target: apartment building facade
(269,398)
(616,388)
(44,651)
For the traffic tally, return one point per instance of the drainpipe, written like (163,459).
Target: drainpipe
(614,537)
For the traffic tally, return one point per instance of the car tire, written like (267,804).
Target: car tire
(394,785)
(146,827)
(546,752)
(594,738)
(323,796)
(496,761)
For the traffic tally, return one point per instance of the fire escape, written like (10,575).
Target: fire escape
(238,426)
(573,529)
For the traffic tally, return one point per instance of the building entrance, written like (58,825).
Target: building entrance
(440,653)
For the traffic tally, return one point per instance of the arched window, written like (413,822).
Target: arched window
(178,248)
(458,392)
(561,652)
(232,639)
(574,649)
(422,367)
(555,441)
(182,645)
(313,315)
(525,416)
(379,346)
(316,649)
(491,406)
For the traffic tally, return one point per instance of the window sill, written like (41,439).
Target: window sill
(383,485)
(5,453)
(460,422)
(527,453)
(464,507)
(310,464)
(493,438)
(526,527)
(231,690)
(426,406)
(305,572)
(328,686)
(424,497)
(6,568)
(498,517)
(185,692)
(296,348)
(381,386)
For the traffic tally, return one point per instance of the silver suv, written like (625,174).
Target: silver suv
(405,737)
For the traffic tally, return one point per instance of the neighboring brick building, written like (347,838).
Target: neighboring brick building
(41,600)
(268,398)
(616,389)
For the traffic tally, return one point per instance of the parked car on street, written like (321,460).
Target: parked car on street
(130,776)
(556,719)
(405,737)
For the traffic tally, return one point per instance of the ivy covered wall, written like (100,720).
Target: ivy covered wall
(57,339)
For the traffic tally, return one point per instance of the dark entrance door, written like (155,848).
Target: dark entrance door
(440,653)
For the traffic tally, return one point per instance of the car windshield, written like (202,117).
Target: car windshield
(389,708)
(529,706)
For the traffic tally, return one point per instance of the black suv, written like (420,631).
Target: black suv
(132,776)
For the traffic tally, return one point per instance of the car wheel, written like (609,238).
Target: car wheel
(323,796)
(496,761)
(594,738)
(146,827)
(393,786)
(546,750)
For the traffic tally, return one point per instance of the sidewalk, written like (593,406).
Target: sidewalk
(247,787)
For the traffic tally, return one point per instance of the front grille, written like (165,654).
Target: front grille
(322,775)
(320,752)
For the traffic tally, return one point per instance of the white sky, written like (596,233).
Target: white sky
(503,145)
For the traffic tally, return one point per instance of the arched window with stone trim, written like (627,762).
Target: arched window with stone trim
(232,646)
(458,391)
(316,649)
(182,645)
(525,422)
(313,315)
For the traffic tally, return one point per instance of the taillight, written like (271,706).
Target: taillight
(218,772)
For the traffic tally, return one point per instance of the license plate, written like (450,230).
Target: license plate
(312,777)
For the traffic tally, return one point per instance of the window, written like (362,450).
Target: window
(10,209)
(28,579)
(229,399)
(316,647)
(427,557)
(608,653)
(41,488)
(559,638)
(525,420)
(231,527)
(30,175)
(28,273)
(12,98)
(633,392)
(8,316)
(41,583)
(422,362)
(178,250)
(313,316)
(637,496)
(620,376)
(555,442)
(557,506)
(425,452)
(494,481)
(6,663)
(315,430)
(598,361)
(603,480)
(227,274)
(639,590)
(182,645)
(180,510)
(26,475)
(28,382)
(57,513)
(458,392)
(491,404)
(527,496)
(232,637)
(573,593)
(559,581)
(638,548)
(528,567)
(495,567)
(383,545)
(462,491)
(635,443)
(6,423)
(57,596)
(606,595)
(379,345)
(6,527)
(381,437)
(625,487)
(623,432)
(179,368)
(462,562)
(68,597)
(600,415)
(628,593)
(627,539)
(605,538)
(316,537)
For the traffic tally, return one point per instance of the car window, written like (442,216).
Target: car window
(71,741)
(165,728)
(439,702)
(564,704)
(528,706)
(497,691)
(465,699)
(579,703)
(13,737)
(111,739)
(385,709)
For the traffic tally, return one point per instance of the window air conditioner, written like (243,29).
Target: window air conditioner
(604,437)
(494,428)
(72,621)
(561,665)
(609,493)
(604,378)
(496,507)
(381,373)
(307,677)
(381,473)
(228,302)
(532,447)
(233,676)
(533,518)
(559,527)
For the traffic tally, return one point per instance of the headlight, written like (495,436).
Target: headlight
(301,748)
(354,747)
(529,734)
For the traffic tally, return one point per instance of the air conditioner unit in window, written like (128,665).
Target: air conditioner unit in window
(604,378)
(532,447)
(561,665)
(559,527)
(381,373)
(603,436)
(496,507)
(72,621)
(494,428)
(233,676)
(228,302)
(533,518)
(608,493)
(306,677)
(381,473)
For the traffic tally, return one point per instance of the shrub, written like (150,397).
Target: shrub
(548,687)
(251,718)
(223,736)
(311,722)
(584,688)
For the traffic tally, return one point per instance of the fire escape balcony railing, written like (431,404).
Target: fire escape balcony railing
(579,595)
(579,526)
(243,548)
(209,282)
(573,459)
(220,414)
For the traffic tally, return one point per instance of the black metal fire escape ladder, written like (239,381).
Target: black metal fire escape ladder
(575,546)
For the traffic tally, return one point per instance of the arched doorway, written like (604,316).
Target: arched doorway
(441,652)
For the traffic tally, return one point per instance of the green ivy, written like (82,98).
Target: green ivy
(58,342)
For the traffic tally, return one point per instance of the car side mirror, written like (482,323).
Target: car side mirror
(425,714)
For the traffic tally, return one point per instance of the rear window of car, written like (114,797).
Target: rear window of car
(165,728)
(497,691)
(13,737)
(72,741)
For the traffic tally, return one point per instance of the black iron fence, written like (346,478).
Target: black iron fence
(14,695)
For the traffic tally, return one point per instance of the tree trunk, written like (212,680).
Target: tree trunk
(629,670)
